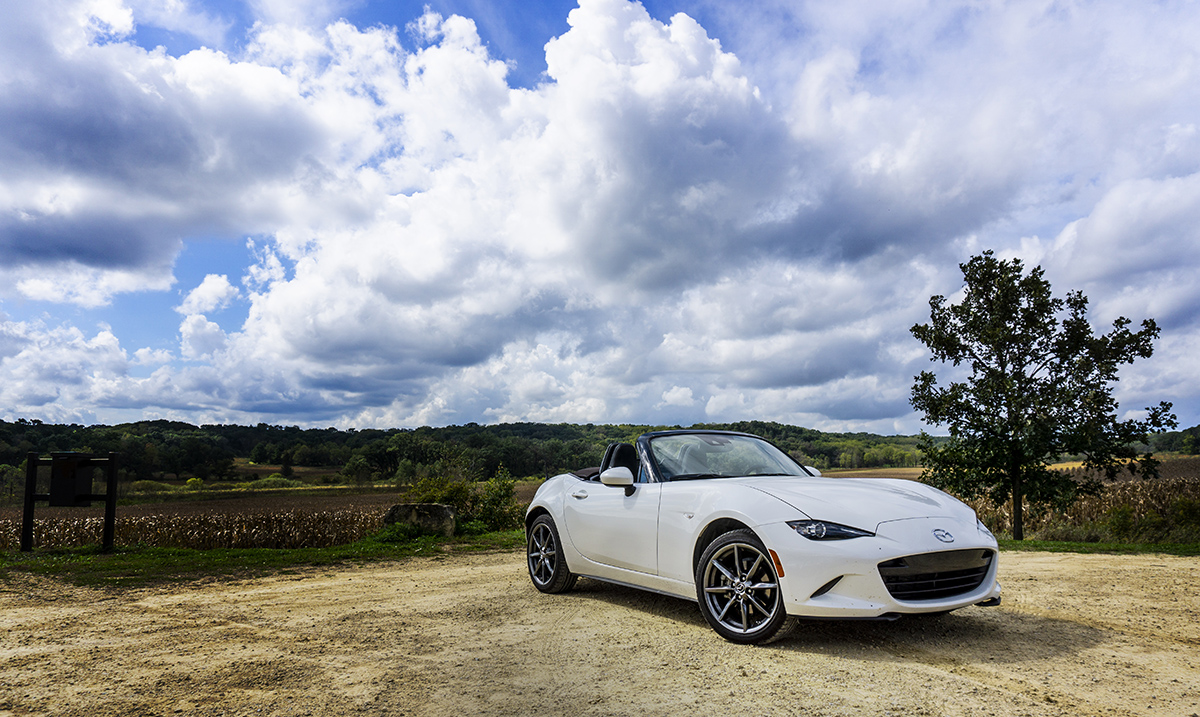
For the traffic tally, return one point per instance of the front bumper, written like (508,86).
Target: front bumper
(860,590)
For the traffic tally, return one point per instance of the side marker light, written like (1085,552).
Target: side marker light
(778,565)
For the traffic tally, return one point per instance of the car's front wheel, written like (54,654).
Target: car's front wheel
(547,568)
(738,590)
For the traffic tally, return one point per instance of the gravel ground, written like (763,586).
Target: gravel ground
(468,635)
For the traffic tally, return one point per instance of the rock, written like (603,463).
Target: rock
(431,517)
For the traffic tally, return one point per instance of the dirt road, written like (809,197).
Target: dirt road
(468,635)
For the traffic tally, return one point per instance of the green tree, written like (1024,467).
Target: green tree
(357,469)
(1040,386)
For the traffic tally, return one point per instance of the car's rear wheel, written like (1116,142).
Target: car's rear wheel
(547,568)
(738,590)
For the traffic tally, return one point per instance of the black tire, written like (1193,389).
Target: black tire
(547,567)
(739,592)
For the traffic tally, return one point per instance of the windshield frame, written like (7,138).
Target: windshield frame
(652,447)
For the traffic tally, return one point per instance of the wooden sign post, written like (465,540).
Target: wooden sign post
(70,486)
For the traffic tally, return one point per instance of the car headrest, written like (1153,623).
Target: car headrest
(625,455)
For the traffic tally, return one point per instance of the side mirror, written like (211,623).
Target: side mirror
(620,476)
(812,470)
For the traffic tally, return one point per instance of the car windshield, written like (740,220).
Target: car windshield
(685,456)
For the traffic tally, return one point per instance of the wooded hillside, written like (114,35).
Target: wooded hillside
(171,450)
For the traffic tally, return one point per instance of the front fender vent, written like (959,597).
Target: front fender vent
(936,576)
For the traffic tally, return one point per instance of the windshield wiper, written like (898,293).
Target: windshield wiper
(697,476)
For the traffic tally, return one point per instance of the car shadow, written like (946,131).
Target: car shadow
(969,635)
(665,606)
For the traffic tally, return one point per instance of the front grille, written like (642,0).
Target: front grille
(934,576)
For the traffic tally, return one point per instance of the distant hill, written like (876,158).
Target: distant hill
(171,449)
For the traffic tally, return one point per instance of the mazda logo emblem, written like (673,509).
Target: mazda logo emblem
(943,535)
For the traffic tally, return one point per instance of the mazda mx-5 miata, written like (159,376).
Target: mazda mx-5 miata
(729,520)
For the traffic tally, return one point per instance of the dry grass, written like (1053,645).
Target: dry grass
(284,529)
(1132,509)
(291,519)
(1141,498)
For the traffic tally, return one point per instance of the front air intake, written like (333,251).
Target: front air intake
(935,576)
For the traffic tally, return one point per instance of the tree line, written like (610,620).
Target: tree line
(173,450)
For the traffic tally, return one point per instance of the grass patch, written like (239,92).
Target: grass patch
(1062,546)
(132,567)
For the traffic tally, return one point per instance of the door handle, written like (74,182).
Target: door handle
(580,494)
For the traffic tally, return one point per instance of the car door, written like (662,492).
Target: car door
(611,528)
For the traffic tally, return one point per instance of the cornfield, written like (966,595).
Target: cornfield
(280,529)
(1162,510)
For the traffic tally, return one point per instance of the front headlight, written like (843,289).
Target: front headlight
(983,529)
(824,530)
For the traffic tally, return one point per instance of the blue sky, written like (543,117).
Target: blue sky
(395,214)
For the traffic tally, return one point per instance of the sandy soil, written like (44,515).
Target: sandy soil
(468,635)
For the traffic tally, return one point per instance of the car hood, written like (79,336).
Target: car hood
(861,502)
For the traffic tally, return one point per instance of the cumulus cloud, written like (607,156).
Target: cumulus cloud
(1136,252)
(672,227)
(200,338)
(677,396)
(134,149)
(57,372)
(152,357)
(214,293)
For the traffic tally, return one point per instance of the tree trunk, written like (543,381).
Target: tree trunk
(1018,499)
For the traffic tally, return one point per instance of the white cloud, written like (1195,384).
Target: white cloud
(662,231)
(1136,253)
(134,149)
(56,373)
(677,396)
(214,293)
(152,357)
(73,283)
(200,338)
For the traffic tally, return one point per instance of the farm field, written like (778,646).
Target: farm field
(468,634)
(286,519)
(314,499)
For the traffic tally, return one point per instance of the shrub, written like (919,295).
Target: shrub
(151,486)
(1186,512)
(496,502)
(399,533)
(492,503)
(474,527)
(1121,521)
(274,481)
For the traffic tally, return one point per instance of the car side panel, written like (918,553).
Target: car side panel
(608,527)
(688,507)
(550,496)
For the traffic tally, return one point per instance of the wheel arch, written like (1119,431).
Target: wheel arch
(711,532)
(533,515)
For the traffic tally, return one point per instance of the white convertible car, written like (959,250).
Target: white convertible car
(732,522)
